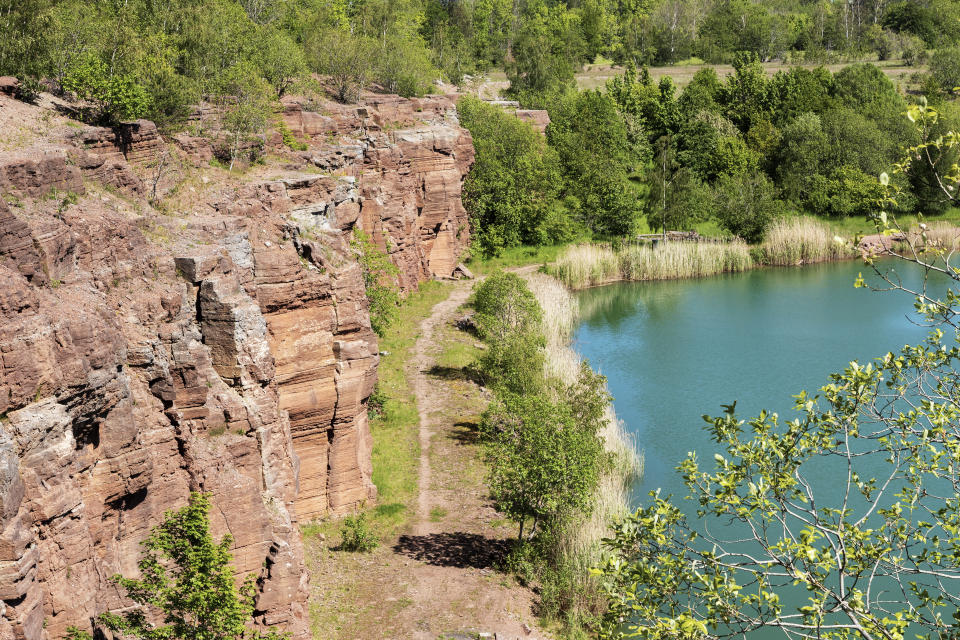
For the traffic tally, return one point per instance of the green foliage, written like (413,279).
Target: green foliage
(186,576)
(245,100)
(544,463)
(282,63)
(379,279)
(596,159)
(356,535)
(546,52)
(945,68)
(115,97)
(509,320)
(511,191)
(746,204)
(847,191)
(346,58)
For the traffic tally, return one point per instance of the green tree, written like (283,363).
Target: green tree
(186,578)
(514,182)
(280,60)
(546,53)
(509,320)
(745,204)
(545,464)
(115,97)
(597,159)
(346,58)
(244,99)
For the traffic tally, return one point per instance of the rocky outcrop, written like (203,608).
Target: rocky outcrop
(225,349)
(538,118)
(410,158)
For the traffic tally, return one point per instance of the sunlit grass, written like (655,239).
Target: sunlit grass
(515,257)
(396,445)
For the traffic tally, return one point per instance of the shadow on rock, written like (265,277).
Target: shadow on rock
(455,549)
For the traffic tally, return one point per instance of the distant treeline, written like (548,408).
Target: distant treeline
(741,151)
(153,57)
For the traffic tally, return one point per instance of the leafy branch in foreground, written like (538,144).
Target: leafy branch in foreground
(841,523)
(186,579)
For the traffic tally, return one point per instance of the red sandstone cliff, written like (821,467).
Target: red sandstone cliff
(217,340)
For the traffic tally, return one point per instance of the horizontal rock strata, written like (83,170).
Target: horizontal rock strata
(222,344)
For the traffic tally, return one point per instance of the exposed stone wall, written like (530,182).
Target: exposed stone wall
(227,350)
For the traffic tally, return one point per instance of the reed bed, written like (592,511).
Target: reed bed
(671,260)
(801,240)
(560,308)
(586,265)
(938,235)
(582,545)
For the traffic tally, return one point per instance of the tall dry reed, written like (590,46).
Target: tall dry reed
(670,260)
(582,544)
(937,235)
(585,265)
(801,240)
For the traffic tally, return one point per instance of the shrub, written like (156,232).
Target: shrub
(746,204)
(115,97)
(544,464)
(380,281)
(187,577)
(356,535)
(945,68)
(509,320)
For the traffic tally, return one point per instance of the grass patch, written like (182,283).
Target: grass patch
(515,257)
(458,354)
(437,514)
(396,447)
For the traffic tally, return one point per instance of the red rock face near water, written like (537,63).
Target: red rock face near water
(221,345)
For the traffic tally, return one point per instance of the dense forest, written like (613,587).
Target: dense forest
(740,150)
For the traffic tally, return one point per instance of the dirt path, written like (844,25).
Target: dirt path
(428,399)
(439,579)
(457,537)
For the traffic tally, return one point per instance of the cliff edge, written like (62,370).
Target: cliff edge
(167,326)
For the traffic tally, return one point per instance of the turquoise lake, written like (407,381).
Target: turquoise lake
(675,350)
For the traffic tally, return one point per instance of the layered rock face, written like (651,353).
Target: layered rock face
(221,344)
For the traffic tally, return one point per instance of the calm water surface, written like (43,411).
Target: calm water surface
(673,351)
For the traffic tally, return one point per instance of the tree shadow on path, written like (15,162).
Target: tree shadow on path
(454,549)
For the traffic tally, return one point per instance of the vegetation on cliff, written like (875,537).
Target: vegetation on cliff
(187,581)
